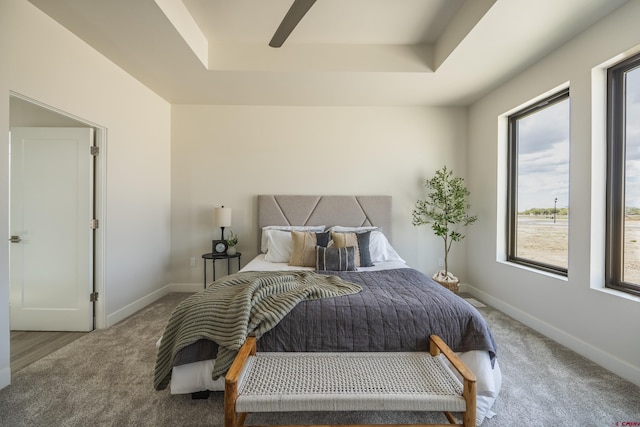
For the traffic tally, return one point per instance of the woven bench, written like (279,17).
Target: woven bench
(295,382)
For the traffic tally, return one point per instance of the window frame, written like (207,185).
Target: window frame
(512,190)
(616,174)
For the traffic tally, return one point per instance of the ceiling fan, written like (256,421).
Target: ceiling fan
(297,10)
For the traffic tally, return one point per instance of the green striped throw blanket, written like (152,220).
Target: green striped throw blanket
(237,306)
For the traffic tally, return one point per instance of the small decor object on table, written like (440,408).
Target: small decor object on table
(232,241)
(446,209)
(219,247)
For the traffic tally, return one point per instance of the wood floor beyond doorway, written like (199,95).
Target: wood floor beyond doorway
(28,347)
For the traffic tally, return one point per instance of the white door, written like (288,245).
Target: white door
(51,248)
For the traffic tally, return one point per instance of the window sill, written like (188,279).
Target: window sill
(617,293)
(535,270)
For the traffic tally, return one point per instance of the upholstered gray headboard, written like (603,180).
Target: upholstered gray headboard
(325,210)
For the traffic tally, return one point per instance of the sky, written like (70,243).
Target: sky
(543,160)
(632,190)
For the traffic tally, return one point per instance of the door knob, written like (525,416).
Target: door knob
(15,239)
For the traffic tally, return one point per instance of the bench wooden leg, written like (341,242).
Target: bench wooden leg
(231,417)
(437,346)
(469,394)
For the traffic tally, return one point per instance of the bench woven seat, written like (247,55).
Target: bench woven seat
(398,381)
(340,382)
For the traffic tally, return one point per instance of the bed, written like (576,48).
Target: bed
(397,308)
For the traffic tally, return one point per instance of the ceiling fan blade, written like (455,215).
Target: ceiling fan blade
(297,10)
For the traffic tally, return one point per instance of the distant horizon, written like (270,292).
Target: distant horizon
(544,208)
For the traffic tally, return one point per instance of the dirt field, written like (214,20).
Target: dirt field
(539,239)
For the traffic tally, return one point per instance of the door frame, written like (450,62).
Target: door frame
(99,252)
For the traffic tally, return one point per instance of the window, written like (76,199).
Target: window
(623,176)
(538,204)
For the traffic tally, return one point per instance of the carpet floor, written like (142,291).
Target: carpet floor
(105,379)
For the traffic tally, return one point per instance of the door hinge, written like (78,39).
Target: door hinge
(95,150)
(94,223)
(93,297)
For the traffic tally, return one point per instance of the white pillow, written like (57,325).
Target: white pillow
(310,228)
(380,248)
(279,245)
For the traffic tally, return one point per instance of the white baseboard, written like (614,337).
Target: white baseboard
(595,354)
(136,306)
(5,377)
(141,303)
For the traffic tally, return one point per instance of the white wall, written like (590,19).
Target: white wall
(226,155)
(43,61)
(600,324)
(206,156)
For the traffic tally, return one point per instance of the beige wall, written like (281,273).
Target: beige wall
(226,155)
(575,311)
(27,114)
(43,61)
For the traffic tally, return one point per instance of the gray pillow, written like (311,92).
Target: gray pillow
(323,238)
(335,259)
(363,246)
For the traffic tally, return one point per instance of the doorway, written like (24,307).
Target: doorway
(25,112)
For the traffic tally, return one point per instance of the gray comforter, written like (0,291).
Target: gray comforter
(396,310)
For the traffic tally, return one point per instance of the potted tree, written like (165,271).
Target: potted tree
(446,208)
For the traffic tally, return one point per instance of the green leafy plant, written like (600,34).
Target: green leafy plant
(232,239)
(446,208)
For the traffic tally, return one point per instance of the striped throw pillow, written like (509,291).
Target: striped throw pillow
(335,259)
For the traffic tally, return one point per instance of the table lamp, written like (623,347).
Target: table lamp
(222,219)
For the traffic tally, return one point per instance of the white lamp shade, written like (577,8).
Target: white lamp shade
(222,217)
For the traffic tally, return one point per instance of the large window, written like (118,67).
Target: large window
(538,205)
(623,176)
